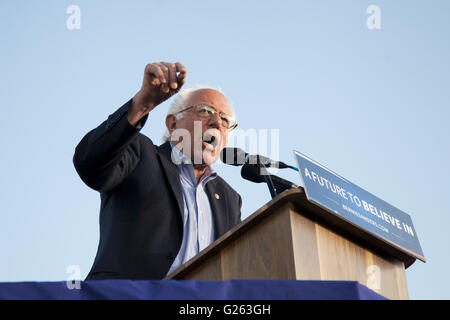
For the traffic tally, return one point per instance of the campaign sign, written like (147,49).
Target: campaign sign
(351,203)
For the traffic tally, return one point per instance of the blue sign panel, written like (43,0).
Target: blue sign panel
(348,201)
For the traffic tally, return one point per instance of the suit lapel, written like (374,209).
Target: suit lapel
(172,173)
(216,196)
(218,203)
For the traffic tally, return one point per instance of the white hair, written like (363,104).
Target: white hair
(179,103)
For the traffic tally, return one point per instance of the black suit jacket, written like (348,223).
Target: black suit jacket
(141,200)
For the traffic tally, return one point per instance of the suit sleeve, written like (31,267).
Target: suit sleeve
(108,153)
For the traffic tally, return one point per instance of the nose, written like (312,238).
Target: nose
(214,121)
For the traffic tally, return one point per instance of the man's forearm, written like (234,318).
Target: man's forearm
(138,109)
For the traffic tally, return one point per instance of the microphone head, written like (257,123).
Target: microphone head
(252,173)
(233,156)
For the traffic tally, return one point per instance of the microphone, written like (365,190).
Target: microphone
(256,174)
(238,157)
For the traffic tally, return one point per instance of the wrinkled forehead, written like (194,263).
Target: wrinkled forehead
(209,97)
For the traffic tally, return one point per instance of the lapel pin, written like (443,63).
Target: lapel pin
(217,196)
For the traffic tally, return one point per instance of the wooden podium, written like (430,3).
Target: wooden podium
(292,238)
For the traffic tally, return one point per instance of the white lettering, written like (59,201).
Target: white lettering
(374,20)
(307,173)
(374,277)
(73,281)
(74,20)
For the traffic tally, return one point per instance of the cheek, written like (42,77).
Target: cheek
(224,139)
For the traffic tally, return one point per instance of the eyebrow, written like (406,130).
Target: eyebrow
(216,110)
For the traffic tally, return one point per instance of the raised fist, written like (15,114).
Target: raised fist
(161,81)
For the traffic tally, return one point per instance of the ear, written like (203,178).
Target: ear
(171,123)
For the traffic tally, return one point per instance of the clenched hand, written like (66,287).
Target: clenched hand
(161,81)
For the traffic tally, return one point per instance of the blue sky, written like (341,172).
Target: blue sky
(371,105)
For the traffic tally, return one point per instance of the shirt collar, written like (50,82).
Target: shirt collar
(179,157)
(181,160)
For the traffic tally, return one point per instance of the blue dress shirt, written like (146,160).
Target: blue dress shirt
(198,227)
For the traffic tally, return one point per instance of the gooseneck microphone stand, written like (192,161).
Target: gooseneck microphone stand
(268,179)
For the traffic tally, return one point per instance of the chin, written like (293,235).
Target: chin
(209,158)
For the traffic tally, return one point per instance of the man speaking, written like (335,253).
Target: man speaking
(160,205)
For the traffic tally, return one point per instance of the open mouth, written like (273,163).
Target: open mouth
(209,142)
